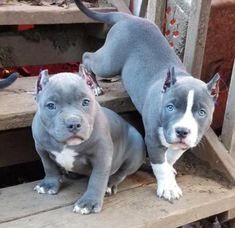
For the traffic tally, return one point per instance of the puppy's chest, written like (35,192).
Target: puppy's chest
(67,158)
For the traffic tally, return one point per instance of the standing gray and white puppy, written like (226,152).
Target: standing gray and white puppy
(176,108)
(72,131)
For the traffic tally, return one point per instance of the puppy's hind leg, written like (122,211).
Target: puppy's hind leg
(115,180)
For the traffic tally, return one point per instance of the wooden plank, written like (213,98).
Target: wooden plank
(17,205)
(138,207)
(226,216)
(156,11)
(46,45)
(196,36)
(121,6)
(27,14)
(18,105)
(214,152)
(228,130)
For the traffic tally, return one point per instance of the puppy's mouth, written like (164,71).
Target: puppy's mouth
(181,145)
(74,140)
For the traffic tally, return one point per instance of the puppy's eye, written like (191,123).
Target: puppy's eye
(202,112)
(85,102)
(51,105)
(170,107)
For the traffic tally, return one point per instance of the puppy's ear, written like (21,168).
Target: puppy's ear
(213,86)
(43,79)
(170,79)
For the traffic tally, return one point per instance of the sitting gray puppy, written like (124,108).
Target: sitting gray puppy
(72,131)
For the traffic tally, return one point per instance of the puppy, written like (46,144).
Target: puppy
(176,108)
(72,131)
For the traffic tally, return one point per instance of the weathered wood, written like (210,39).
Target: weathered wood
(18,105)
(17,147)
(17,205)
(46,45)
(27,14)
(213,151)
(226,216)
(143,8)
(156,11)
(133,207)
(121,6)
(228,130)
(196,36)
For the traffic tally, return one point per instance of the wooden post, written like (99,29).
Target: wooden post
(156,11)
(121,6)
(196,36)
(143,8)
(228,131)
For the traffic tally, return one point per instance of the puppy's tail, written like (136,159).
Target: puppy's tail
(8,81)
(109,18)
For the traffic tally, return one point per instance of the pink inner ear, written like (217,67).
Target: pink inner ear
(215,90)
(39,86)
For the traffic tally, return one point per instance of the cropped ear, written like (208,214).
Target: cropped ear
(82,71)
(43,79)
(213,86)
(170,79)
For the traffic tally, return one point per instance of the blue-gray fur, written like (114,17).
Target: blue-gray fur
(110,149)
(136,49)
(8,81)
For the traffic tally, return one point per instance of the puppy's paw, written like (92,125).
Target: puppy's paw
(48,186)
(168,189)
(166,184)
(111,190)
(87,206)
(98,90)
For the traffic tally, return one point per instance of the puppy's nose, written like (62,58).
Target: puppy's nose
(182,132)
(73,124)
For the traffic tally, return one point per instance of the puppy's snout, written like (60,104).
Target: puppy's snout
(73,124)
(182,132)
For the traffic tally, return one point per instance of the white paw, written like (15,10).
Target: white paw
(39,189)
(166,184)
(168,189)
(109,191)
(83,211)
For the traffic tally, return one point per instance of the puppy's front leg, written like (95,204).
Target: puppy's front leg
(164,172)
(52,180)
(92,199)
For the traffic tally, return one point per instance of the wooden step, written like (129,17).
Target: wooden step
(18,106)
(23,13)
(135,204)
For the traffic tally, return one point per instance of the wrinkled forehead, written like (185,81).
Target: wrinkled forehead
(193,91)
(67,86)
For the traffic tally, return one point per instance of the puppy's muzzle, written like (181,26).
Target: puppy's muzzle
(182,132)
(73,124)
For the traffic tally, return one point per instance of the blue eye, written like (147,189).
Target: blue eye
(51,106)
(202,112)
(170,107)
(85,102)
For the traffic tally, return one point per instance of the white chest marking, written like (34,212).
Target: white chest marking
(188,121)
(65,158)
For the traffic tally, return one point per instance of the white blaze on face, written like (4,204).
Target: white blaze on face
(188,121)
(65,158)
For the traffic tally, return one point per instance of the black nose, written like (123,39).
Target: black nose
(73,124)
(182,132)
